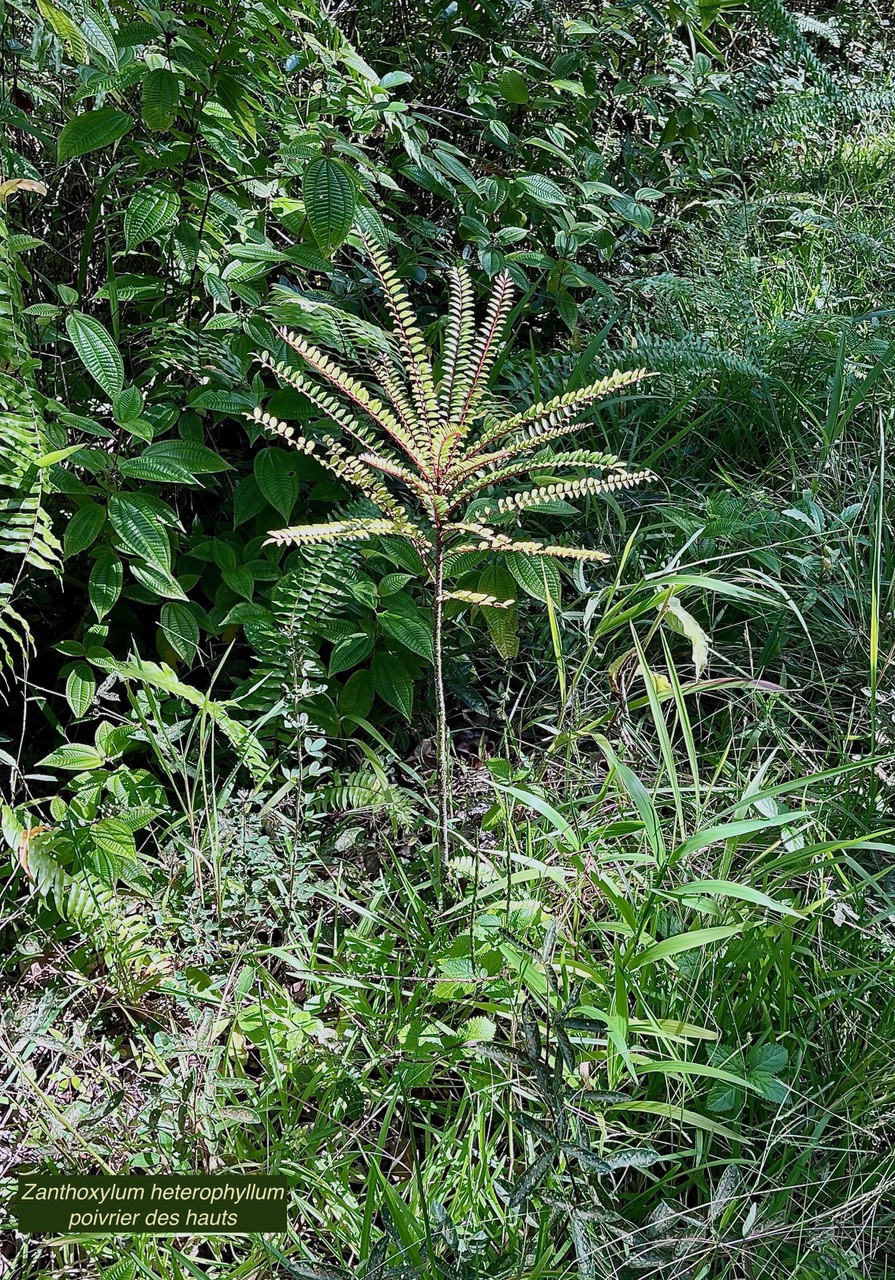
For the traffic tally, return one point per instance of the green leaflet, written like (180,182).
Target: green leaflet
(84,528)
(149,212)
(90,131)
(139,530)
(96,347)
(161,98)
(106,579)
(393,683)
(329,195)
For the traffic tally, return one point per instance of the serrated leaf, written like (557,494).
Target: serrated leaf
(330,199)
(80,688)
(104,585)
(393,683)
(140,530)
(542,190)
(412,633)
(770,1058)
(277,478)
(115,838)
(513,88)
(161,98)
(149,212)
(181,629)
(536,575)
(84,528)
(90,131)
(479,1030)
(97,350)
(502,621)
(356,697)
(74,756)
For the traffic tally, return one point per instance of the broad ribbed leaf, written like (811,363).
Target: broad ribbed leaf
(161,98)
(181,629)
(90,131)
(277,478)
(139,530)
(409,631)
(536,575)
(149,212)
(392,682)
(84,528)
(330,200)
(96,347)
(80,688)
(502,622)
(513,88)
(106,578)
(74,756)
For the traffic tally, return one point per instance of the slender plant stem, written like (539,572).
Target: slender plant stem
(442,742)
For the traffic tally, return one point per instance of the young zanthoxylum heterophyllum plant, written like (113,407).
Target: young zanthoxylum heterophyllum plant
(430,449)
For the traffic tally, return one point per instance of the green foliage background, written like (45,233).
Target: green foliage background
(649,1035)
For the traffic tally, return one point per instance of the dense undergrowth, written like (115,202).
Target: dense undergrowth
(632,1012)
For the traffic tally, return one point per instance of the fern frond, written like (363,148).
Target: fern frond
(567,489)
(399,399)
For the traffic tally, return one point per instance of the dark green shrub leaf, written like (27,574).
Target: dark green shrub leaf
(99,354)
(161,98)
(181,630)
(106,578)
(84,528)
(513,88)
(140,530)
(90,131)
(276,477)
(330,199)
(393,683)
(149,212)
(356,697)
(80,688)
